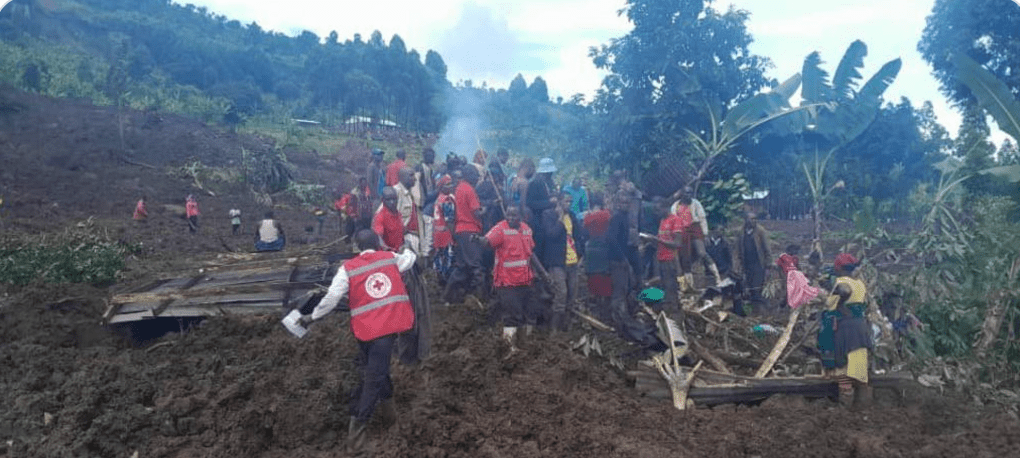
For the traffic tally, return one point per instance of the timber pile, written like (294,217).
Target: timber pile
(743,365)
(236,284)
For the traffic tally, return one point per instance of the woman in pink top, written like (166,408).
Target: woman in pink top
(191,209)
(141,213)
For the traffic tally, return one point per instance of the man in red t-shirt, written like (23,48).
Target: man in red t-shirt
(467,251)
(393,170)
(387,222)
(671,228)
(511,273)
(596,262)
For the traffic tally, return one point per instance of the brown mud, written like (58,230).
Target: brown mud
(243,387)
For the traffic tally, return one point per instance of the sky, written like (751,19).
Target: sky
(491,41)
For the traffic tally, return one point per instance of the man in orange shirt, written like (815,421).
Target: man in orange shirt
(467,251)
(393,170)
(387,222)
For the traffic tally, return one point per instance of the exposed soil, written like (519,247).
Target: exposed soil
(243,387)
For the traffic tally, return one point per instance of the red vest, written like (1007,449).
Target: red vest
(379,302)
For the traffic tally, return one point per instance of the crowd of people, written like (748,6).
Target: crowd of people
(523,244)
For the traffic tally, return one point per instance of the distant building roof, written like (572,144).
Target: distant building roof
(369,120)
(306,122)
(756,195)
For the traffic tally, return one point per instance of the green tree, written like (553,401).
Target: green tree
(987,31)
(680,56)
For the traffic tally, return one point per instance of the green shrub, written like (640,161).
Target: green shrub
(82,254)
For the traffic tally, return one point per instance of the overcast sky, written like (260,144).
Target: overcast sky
(493,40)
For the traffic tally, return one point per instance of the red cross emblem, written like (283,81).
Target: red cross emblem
(378,285)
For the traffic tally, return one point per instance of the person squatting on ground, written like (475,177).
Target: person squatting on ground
(512,275)
(467,273)
(753,253)
(191,212)
(845,337)
(380,309)
(692,247)
(269,235)
(141,212)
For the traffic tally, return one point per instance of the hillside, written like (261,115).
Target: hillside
(244,387)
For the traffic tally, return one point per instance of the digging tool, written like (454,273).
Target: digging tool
(594,321)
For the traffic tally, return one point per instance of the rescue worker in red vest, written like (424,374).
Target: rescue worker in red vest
(380,309)
(512,275)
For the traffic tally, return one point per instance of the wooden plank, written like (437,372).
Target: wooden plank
(231,289)
(126,317)
(249,278)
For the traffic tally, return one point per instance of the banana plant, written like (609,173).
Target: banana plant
(724,132)
(996,98)
(845,110)
(819,194)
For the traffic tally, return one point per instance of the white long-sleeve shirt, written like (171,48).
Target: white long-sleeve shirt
(697,213)
(342,283)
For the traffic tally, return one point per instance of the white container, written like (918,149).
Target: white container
(293,325)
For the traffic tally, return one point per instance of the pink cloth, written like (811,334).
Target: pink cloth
(798,292)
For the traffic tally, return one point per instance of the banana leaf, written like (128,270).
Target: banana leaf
(816,87)
(760,106)
(872,91)
(844,81)
(1009,172)
(993,95)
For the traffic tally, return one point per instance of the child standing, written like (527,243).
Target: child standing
(235,220)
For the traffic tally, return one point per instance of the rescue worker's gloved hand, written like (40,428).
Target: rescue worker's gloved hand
(305,320)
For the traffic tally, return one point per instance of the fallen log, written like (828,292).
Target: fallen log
(713,360)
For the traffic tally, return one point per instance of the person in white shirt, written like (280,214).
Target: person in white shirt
(269,235)
(380,310)
(692,248)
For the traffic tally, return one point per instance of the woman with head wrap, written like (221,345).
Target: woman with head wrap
(844,339)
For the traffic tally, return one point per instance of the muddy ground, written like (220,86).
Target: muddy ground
(243,387)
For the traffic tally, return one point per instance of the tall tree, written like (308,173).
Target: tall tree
(680,56)
(987,31)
